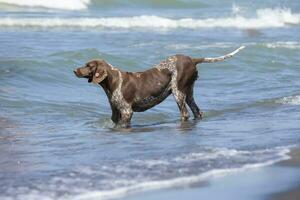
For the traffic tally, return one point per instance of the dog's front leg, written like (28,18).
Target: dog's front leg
(116,115)
(125,117)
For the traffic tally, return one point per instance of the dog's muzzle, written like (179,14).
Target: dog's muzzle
(78,73)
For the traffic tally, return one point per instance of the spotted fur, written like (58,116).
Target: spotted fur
(128,92)
(120,103)
(179,96)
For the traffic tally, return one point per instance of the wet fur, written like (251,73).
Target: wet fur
(129,92)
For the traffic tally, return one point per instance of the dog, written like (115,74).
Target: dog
(130,92)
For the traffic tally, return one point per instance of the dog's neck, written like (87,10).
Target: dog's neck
(111,82)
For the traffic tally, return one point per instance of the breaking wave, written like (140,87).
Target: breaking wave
(140,175)
(290,100)
(265,18)
(286,45)
(278,154)
(50,4)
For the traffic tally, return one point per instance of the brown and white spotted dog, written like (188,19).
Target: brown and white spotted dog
(129,92)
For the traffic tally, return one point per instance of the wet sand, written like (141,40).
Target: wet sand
(289,195)
(294,192)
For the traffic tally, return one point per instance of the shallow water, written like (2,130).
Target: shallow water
(56,137)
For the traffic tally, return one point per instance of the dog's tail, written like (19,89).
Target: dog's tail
(216,59)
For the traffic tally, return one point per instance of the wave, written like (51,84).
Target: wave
(125,177)
(87,4)
(186,180)
(286,45)
(205,45)
(265,18)
(290,100)
(50,4)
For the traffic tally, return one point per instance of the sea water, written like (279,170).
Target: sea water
(56,137)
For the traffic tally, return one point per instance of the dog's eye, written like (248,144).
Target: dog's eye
(90,65)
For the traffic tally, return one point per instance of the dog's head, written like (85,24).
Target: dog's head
(95,71)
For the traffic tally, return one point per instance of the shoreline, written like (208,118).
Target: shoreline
(279,181)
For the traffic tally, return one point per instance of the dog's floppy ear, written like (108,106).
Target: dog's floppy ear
(99,75)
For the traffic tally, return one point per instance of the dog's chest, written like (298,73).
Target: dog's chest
(118,101)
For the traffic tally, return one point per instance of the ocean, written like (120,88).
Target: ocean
(56,137)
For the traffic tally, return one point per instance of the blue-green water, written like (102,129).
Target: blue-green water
(56,137)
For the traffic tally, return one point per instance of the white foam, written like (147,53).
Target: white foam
(179,46)
(290,100)
(50,4)
(208,155)
(265,18)
(124,186)
(152,185)
(287,45)
(271,45)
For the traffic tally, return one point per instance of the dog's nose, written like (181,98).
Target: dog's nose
(76,73)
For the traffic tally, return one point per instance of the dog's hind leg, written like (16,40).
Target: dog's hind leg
(180,100)
(192,104)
